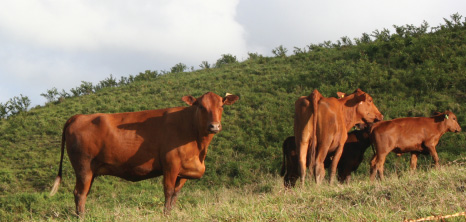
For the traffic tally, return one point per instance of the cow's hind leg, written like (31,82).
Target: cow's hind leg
(83,185)
(335,160)
(377,166)
(302,155)
(319,165)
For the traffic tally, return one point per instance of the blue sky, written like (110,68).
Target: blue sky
(54,43)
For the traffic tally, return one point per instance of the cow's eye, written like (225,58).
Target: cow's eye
(202,107)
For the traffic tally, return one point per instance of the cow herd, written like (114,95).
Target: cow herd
(321,139)
(173,142)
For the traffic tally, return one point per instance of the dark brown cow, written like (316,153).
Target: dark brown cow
(136,146)
(323,123)
(410,134)
(353,153)
(290,165)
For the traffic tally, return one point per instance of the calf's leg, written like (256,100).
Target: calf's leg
(413,162)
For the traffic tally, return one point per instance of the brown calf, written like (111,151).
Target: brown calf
(410,134)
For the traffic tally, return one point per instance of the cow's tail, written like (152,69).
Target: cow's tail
(56,184)
(315,97)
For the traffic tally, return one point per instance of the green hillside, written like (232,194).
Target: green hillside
(413,72)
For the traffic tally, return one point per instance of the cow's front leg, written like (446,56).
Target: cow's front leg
(169,183)
(178,185)
(433,153)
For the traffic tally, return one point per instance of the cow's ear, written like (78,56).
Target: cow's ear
(189,100)
(341,95)
(361,98)
(230,99)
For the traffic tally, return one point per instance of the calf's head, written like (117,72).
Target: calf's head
(209,109)
(366,108)
(450,120)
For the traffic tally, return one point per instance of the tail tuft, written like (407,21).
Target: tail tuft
(56,184)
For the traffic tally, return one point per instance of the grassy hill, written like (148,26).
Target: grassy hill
(412,72)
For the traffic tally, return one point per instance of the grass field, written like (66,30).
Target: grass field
(401,196)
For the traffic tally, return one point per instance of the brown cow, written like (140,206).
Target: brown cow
(410,134)
(353,153)
(323,123)
(136,146)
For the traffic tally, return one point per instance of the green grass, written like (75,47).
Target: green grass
(405,75)
(401,196)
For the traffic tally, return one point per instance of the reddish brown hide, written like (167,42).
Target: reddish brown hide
(353,154)
(136,146)
(321,126)
(410,134)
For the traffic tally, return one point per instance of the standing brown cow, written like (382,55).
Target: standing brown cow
(323,124)
(136,146)
(410,134)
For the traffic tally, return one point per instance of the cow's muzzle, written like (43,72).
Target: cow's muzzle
(214,127)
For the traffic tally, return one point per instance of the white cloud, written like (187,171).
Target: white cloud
(52,43)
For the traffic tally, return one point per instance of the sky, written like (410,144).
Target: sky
(55,43)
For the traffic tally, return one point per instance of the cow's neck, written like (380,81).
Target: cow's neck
(202,139)
(203,144)
(440,125)
(349,111)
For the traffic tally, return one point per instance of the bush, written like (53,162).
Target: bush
(226,59)
(51,95)
(204,65)
(18,104)
(180,67)
(280,51)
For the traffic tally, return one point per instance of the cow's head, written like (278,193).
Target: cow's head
(450,120)
(366,109)
(209,109)
(290,166)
